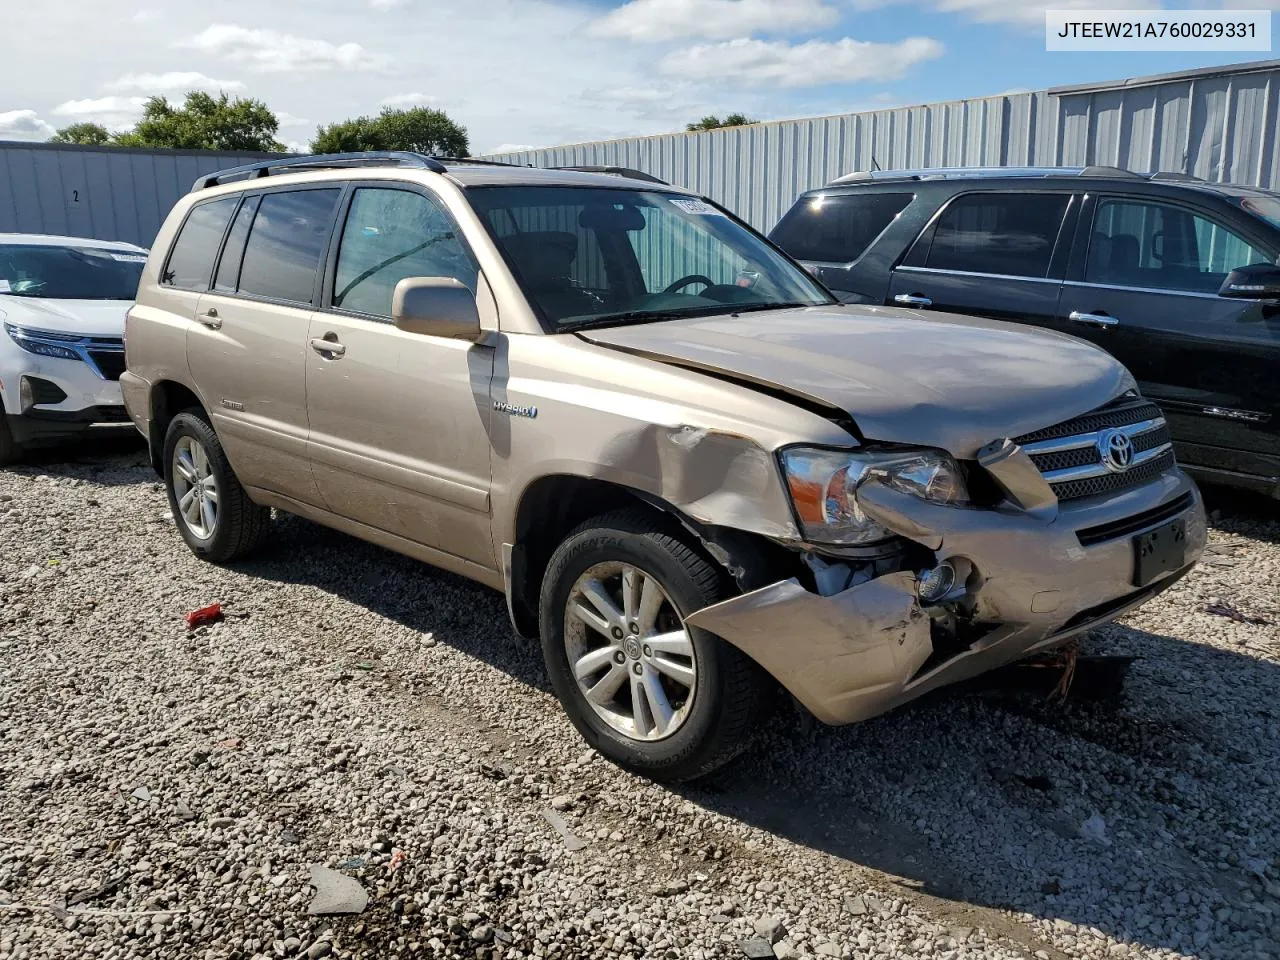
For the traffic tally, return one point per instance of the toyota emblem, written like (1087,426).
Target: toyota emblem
(1116,450)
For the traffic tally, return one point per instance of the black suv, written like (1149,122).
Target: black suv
(1175,276)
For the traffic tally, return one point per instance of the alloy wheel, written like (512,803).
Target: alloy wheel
(631,656)
(195,488)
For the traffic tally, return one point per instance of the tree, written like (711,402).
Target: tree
(205,122)
(419,129)
(715,123)
(89,133)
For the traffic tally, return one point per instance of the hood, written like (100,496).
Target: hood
(96,318)
(935,380)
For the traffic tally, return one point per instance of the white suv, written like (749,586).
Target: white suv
(62,303)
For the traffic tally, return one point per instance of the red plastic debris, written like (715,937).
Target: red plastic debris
(209,614)
(397,860)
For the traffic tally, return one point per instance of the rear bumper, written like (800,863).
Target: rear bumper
(870,648)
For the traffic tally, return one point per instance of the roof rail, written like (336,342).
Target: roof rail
(617,172)
(320,161)
(477,162)
(1177,177)
(949,173)
(1105,171)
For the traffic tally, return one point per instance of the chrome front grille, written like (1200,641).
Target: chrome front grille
(1119,446)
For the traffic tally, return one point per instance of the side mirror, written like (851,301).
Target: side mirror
(437,307)
(1258,281)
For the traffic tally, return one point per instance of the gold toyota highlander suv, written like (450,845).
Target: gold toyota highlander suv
(690,469)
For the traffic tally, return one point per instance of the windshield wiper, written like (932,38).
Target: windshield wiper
(640,316)
(753,307)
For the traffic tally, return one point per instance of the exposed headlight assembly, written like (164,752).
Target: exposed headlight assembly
(824,486)
(37,344)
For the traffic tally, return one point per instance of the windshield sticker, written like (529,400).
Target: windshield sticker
(129,257)
(691,205)
(4,286)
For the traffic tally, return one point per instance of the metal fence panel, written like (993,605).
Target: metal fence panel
(1218,123)
(106,194)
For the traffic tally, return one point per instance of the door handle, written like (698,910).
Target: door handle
(211,319)
(331,347)
(1102,320)
(912,300)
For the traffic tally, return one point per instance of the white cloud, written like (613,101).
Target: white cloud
(23,125)
(509,148)
(1011,11)
(269,51)
(174,82)
(401,100)
(113,112)
(658,20)
(630,95)
(144,16)
(289,120)
(809,64)
(387,4)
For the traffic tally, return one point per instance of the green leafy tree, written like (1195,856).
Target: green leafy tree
(715,123)
(205,122)
(419,129)
(88,133)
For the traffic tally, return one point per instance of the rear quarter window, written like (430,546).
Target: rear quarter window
(190,265)
(837,228)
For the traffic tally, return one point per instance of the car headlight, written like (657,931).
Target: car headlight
(43,348)
(824,485)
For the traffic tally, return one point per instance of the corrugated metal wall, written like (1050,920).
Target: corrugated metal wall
(1220,124)
(100,193)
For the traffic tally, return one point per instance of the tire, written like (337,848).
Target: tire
(715,721)
(239,525)
(10,451)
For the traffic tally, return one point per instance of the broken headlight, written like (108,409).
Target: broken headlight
(824,485)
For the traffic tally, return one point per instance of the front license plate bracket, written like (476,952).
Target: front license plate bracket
(1160,551)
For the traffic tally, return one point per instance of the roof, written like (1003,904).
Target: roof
(1181,180)
(470,175)
(48,240)
(462,170)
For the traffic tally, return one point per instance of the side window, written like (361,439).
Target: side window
(286,241)
(1163,247)
(190,263)
(390,235)
(839,228)
(228,277)
(1005,233)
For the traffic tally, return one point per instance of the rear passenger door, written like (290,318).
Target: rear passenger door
(399,421)
(991,254)
(247,350)
(1144,285)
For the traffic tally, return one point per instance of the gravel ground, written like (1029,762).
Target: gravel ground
(166,793)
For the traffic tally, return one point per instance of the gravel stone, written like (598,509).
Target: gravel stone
(425,779)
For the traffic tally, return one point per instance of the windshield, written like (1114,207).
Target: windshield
(1264,207)
(70,273)
(591,256)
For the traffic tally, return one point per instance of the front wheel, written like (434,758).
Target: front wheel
(669,701)
(10,451)
(210,508)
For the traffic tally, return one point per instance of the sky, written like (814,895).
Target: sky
(529,73)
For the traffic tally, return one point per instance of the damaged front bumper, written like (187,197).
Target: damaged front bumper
(1030,584)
